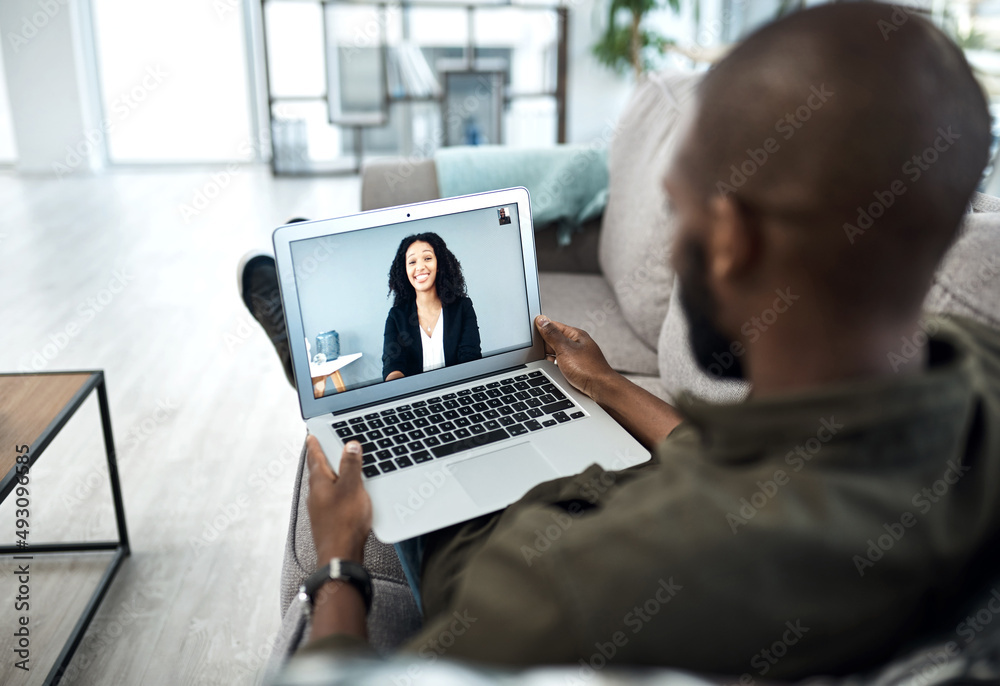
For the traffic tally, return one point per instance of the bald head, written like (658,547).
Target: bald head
(859,130)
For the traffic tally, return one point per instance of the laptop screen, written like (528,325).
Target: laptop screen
(389,302)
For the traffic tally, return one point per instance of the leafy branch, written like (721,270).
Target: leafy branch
(626,43)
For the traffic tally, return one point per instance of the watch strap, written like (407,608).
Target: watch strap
(338,570)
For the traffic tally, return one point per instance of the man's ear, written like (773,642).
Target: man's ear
(733,240)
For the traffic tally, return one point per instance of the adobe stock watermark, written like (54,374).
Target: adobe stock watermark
(32,24)
(235,510)
(264,478)
(102,635)
(253,659)
(121,107)
(454,116)
(137,434)
(86,311)
(911,346)
(974,624)
(939,663)
(766,658)
(583,158)
(240,332)
(752,330)
(900,15)
(942,666)
(227,515)
(630,283)
(912,169)
(368,36)
(635,620)
(223,8)
(269,304)
(923,501)
(713,30)
(787,126)
(140,432)
(431,482)
(219,181)
(436,647)
(592,489)
(796,459)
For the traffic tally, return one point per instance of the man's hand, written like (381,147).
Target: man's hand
(339,507)
(578,357)
(642,414)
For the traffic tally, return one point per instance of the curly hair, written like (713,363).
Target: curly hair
(450,282)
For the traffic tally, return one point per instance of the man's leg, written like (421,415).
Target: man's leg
(411,559)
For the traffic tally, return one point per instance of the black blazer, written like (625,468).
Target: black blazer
(402,350)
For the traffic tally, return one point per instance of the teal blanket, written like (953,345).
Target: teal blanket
(568,183)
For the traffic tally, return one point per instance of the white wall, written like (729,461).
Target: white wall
(595,94)
(174,80)
(41,55)
(8,147)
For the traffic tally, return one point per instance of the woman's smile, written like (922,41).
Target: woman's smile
(421,265)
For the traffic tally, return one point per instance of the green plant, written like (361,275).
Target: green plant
(626,43)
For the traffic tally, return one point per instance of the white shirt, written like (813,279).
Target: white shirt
(433,345)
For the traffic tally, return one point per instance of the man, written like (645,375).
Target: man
(749,542)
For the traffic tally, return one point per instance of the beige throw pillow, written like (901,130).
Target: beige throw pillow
(637,230)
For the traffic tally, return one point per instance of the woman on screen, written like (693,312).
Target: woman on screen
(432,323)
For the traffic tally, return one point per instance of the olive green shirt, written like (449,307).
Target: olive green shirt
(778,538)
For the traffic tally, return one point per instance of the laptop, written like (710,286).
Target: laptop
(473,415)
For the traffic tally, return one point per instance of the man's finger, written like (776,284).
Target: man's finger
(350,463)
(554,334)
(316,459)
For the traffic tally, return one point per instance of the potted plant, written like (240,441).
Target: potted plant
(626,43)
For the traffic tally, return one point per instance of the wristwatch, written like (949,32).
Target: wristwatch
(337,570)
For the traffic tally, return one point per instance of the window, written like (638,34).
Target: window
(174,80)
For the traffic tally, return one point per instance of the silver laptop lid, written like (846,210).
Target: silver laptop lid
(334,277)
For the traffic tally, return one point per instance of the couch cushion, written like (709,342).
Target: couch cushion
(636,233)
(392,181)
(587,302)
(968,281)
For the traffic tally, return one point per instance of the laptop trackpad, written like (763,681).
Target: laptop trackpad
(497,479)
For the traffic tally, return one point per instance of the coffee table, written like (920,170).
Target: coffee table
(34,407)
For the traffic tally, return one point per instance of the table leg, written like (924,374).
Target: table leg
(109,449)
(338,381)
(319,386)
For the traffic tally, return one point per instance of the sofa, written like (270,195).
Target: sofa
(614,280)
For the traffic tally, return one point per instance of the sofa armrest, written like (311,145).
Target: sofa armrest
(397,181)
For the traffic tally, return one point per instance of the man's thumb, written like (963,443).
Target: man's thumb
(551,332)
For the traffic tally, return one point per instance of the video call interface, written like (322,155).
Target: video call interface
(394,301)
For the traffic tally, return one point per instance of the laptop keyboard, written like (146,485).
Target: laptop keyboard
(437,427)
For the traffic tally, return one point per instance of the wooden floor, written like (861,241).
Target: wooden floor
(134,273)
